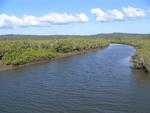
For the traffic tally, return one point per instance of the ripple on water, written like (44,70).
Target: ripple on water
(96,82)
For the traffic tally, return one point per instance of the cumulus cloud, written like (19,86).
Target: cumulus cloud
(134,12)
(10,21)
(57,18)
(29,20)
(7,21)
(100,15)
(117,15)
(106,16)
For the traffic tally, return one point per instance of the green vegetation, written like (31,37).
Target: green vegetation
(19,49)
(142,57)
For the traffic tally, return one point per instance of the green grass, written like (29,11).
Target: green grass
(142,56)
(26,55)
(21,51)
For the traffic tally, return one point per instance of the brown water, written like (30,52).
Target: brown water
(95,82)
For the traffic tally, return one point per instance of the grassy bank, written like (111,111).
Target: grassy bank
(141,59)
(22,51)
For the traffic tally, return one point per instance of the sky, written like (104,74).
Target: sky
(74,17)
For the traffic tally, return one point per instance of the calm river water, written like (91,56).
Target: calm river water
(96,82)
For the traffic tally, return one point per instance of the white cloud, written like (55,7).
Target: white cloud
(29,20)
(107,16)
(7,21)
(134,12)
(57,18)
(100,15)
(116,14)
(82,17)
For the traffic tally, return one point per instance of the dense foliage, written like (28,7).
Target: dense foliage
(20,51)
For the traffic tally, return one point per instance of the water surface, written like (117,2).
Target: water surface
(96,82)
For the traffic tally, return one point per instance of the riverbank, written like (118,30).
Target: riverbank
(4,67)
(20,52)
(141,59)
(137,64)
(94,79)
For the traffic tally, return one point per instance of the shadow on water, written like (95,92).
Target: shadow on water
(141,74)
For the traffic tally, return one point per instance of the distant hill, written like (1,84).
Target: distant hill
(121,35)
(102,35)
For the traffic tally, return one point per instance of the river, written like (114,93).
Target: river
(101,81)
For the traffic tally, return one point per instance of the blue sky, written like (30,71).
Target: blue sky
(49,17)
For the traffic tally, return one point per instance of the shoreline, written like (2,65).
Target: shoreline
(137,65)
(4,67)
